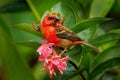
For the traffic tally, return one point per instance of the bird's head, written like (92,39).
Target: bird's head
(50,20)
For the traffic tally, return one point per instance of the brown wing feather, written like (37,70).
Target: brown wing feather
(66,34)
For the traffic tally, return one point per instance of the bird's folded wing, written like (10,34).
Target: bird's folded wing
(67,34)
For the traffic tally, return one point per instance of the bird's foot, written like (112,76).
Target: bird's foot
(36,27)
(63,51)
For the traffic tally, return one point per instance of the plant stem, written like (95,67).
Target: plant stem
(82,76)
(79,71)
(81,58)
(32,7)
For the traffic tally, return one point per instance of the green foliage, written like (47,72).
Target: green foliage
(103,67)
(28,28)
(12,61)
(87,18)
(99,8)
(84,24)
(106,38)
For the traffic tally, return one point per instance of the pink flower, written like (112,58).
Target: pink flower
(45,50)
(56,62)
(52,60)
(60,63)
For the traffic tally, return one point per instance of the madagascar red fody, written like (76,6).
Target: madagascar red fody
(55,32)
(57,35)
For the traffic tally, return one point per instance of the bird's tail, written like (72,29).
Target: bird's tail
(92,46)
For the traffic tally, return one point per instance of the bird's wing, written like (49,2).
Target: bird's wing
(66,34)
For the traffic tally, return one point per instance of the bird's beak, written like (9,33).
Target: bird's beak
(56,20)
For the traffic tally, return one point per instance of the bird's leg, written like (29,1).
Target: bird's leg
(54,51)
(36,27)
(63,51)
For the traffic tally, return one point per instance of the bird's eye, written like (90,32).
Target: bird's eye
(51,18)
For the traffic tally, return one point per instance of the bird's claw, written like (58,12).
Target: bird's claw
(36,27)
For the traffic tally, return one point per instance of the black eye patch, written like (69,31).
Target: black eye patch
(51,18)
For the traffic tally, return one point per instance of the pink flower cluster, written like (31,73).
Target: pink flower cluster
(52,62)
(45,50)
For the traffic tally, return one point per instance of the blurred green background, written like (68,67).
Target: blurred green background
(95,21)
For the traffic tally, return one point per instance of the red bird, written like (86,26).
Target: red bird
(55,32)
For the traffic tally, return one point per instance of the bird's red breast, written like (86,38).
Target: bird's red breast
(49,33)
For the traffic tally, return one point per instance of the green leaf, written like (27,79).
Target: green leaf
(87,34)
(84,24)
(75,53)
(86,63)
(14,65)
(117,77)
(38,7)
(115,31)
(15,6)
(100,8)
(103,67)
(69,73)
(40,75)
(64,9)
(106,38)
(32,44)
(28,28)
(109,25)
(20,18)
(74,5)
(109,53)
(4,26)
